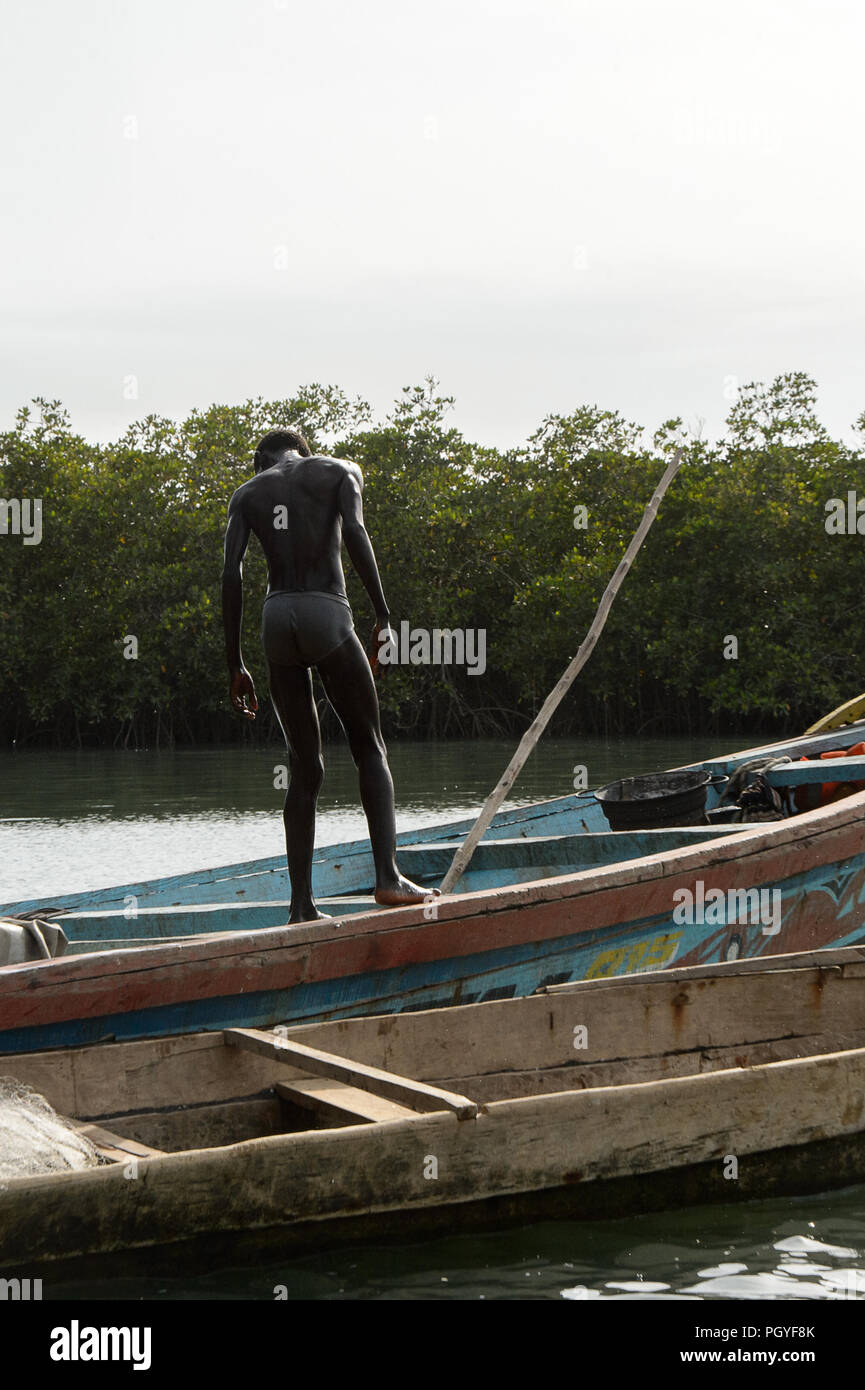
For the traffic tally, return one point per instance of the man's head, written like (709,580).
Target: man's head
(274,445)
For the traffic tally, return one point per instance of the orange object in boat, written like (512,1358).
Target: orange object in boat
(807,798)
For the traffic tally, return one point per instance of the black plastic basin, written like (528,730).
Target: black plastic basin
(662,798)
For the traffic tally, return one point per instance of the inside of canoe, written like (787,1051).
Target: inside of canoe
(510,860)
(140,1099)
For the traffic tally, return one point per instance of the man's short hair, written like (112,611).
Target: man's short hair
(275,443)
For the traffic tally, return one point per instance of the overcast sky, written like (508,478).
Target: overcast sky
(545,203)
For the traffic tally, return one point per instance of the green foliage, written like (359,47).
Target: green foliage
(466,537)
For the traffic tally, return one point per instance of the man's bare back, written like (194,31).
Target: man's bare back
(296,509)
(302,508)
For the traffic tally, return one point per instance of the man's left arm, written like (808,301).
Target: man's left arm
(236,542)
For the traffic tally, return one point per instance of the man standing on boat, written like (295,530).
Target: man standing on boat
(302,507)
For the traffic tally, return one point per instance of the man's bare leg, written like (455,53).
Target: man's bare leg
(350,688)
(291,692)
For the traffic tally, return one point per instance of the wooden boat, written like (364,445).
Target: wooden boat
(552,895)
(705,1083)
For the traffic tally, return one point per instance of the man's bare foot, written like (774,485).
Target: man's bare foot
(307,913)
(401,891)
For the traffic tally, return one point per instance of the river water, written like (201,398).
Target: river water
(70,821)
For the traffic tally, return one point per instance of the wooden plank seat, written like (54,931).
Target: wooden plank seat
(583,849)
(816,770)
(113,1146)
(337,1103)
(415,1095)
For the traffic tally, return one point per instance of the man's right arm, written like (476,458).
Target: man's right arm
(358,543)
(236,541)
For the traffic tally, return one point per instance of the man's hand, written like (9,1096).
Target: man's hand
(242,689)
(382,624)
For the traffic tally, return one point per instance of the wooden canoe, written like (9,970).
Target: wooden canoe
(612,1095)
(555,897)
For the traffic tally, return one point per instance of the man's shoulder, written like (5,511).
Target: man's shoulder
(240,493)
(340,465)
(337,469)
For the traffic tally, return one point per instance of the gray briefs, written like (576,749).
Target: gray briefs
(301,628)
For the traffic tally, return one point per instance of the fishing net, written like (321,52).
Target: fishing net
(34,1138)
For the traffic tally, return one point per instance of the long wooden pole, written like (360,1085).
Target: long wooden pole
(557,694)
